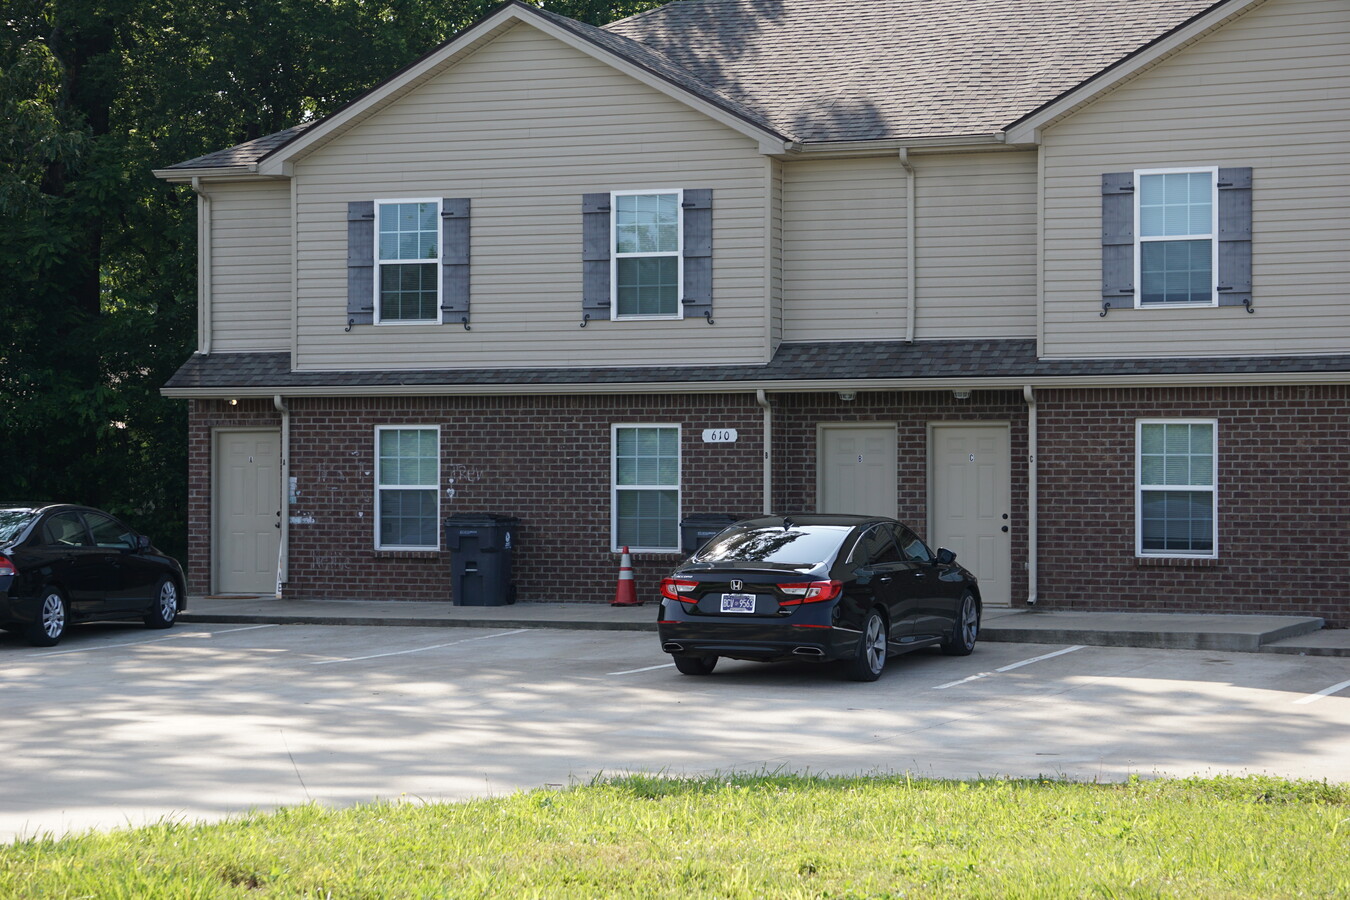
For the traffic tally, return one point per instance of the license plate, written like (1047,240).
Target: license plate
(738,603)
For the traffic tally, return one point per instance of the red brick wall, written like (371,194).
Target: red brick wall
(544,460)
(1284,503)
(1284,459)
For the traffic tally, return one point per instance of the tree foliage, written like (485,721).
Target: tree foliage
(98,258)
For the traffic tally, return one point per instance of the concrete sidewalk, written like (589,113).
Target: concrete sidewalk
(1177,631)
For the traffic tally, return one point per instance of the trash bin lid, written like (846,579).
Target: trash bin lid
(709,519)
(479,520)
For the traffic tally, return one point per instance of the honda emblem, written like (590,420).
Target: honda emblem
(737,586)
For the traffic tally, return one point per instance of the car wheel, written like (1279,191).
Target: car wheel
(870,658)
(165,609)
(965,629)
(694,665)
(53,616)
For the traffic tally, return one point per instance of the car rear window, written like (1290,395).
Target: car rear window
(800,545)
(13,522)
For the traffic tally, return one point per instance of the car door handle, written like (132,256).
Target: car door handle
(884,579)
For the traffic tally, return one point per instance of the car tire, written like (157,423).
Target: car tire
(870,658)
(965,630)
(53,619)
(165,609)
(694,665)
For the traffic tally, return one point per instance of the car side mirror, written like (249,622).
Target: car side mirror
(142,542)
(945,557)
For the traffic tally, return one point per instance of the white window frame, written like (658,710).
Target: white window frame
(1140,487)
(381,488)
(1212,237)
(615,255)
(615,487)
(380,263)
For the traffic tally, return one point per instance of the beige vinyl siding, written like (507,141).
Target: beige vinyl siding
(250,277)
(523,127)
(1270,90)
(844,249)
(775,253)
(975,244)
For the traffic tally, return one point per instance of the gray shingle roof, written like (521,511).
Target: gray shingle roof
(847,70)
(798,362)
(854,70)
(244,154)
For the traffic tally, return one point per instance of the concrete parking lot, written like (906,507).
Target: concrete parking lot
(119,725)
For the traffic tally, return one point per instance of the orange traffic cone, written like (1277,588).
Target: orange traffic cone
(626,593)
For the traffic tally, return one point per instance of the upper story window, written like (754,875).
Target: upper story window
(647,249)
(1177,238)
(408,241)
(1176,212)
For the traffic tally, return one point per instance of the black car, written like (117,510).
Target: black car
(61,564)
(817,587)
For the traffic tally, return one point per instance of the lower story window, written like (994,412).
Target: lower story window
(1177,502)
(646,487)
(407,485)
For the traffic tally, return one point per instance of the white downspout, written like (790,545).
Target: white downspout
(1032,588)
(911,276)
(204,241)
(763,402)
(283,550)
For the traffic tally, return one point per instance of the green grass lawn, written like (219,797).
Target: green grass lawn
(743,837)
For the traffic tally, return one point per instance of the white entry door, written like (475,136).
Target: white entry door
(247,500)
(970,503)
(856,470)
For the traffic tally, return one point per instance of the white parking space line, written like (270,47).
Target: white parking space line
(329,662)
(1325,692)
(1009,667)
(644,669)
(169,637)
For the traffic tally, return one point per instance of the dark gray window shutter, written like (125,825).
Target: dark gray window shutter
(1117,240)
(595,218)
(1235,237)
(360,263)
(455,261)
(698,253)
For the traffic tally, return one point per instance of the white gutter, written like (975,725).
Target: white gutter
(763,402)
(1032,587)
(832,385)
(283,550)
(911,276)
(203,268)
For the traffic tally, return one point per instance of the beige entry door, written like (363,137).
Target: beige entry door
(857,469)
(971,470)
(247,500)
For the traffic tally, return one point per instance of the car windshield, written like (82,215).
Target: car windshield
(13,521)
(807,545)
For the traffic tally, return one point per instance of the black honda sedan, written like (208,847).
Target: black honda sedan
(61,564)
(817,587)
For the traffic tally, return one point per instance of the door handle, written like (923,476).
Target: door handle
(1005,529)
(884,579)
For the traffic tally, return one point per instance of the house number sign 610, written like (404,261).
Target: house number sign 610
(719,435)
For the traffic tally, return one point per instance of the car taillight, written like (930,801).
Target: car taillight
(7,567)
(810,592)
(676,588)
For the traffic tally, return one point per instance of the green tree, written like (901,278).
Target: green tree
(98,257)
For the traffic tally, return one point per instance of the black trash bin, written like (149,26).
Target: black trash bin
(695,530)
(483,545)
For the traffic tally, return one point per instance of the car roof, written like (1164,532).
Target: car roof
(41,506)
(790,520)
